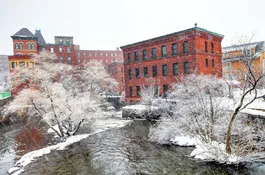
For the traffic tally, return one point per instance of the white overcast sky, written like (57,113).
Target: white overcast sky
(107,24)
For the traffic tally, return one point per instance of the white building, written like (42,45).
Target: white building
(4,77)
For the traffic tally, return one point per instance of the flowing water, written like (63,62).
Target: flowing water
(120,151)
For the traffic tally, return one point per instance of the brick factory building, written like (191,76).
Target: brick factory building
(166,58)
(26,45)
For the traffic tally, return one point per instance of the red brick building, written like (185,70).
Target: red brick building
(116,70)
(26,45)
(166,58)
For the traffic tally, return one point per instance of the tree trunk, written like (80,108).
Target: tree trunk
(229,130)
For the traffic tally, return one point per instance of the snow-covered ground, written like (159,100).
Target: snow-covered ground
(99,125)
(184,141)
(139,107)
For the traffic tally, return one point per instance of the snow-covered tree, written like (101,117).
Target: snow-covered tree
(55,93)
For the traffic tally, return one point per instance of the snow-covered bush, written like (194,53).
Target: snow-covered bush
(59,95)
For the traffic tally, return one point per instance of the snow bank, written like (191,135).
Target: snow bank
(139,107)
(214,151)
(184,141)
(31,156)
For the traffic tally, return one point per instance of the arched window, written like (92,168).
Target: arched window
(185,47)
(16,45)
(69,60)
(32,46)
(28,45)
(20,46)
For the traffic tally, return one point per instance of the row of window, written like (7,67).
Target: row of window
(175,70)
(174,51)
(21,64)
(101,54)
(30,46)
(207,62)
(156,90)
(60,49)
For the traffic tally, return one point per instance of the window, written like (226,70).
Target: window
(146,72)
(164,70)
(52,50)
(163,51)
(20,46)
(78,54)
(174,49)
(137,72)
(153,52)
(175,69)
(144,55)
(156,91)
(69,60)
(165,90)
(186,68)
(131,91)
(32,46)
(22,64)
(154,69)
(136,58)
(61,59)
(130,74)
(69,50)
(43,49)
(60,41)
(28,45)
(185,47)
(206,62)
(206,46)
(67,41)
(16,45)
(79,61)
(122,79)
(13,65)
(212,62)
(212,47)
(129,57)
(31,64)
(138,91)
(60,49)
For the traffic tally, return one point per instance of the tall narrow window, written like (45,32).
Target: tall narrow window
(212,47)
(61,59)
(163,51)
(69,50)
(154,69)
(60,41)
(28,45)
(206,46)
(174,49)
(52,50)
(69,60)
(20,46)
(153,52)
(144,55)
(129,57)
(146,72)
(175,69)
(165,90)
(137,72)
(206,62)
(32,46)
(185,47)
(131,91)
(164,70)
(186,68)
(130,74)
(16,45)
(212,62)
(156,91)
(13,65)
(43,49)
(138,90)
(136,58)
(67,41)
(60,49)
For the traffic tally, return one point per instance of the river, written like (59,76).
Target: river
(118,151)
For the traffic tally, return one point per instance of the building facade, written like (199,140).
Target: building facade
(233,56)
(27,45)
(116,71)
(166,58)
(4,77)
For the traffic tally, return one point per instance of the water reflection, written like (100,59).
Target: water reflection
(125,151)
